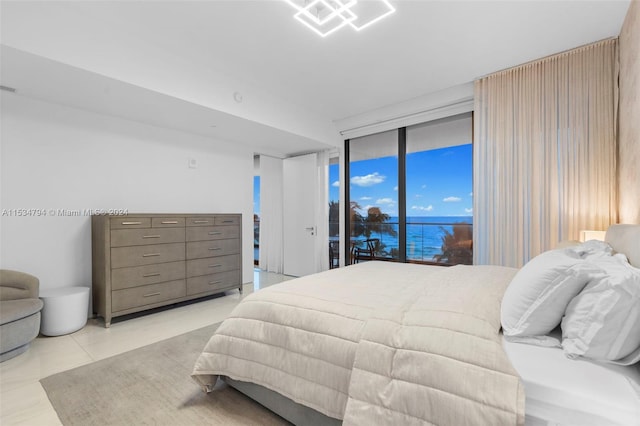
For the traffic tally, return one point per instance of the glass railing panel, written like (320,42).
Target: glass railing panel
(445,243)
(428,242)
(441,243)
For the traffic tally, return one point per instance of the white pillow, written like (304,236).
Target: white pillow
(538,295)
(603,321)
(591,249)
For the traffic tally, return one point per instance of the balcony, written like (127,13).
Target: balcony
(440,243)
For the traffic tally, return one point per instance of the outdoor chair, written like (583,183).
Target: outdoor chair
(368,252)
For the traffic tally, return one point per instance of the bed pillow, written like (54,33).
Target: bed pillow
(603,322)
(538,295)
(592,249)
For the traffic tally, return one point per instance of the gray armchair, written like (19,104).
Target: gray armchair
(19,312)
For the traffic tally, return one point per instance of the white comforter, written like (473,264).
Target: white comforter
(376,343)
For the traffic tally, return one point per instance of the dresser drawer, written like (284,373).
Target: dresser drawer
(167,222)
(212,265)
(213,282)
(200,249)
(130,222)
(139,237)
(139,260)
(147,295)
(144,275)
(200,221)
(212,233)
(146,255)
(227,220)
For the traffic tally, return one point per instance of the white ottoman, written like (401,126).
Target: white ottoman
(65,310)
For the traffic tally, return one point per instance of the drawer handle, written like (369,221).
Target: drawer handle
(151,236)
(151,255)
(215,248)
(169,222)
(227,221)
(215,282)
(132,223)
(151,275)
(215,232)
(215,266)
(151,294)
(200,221)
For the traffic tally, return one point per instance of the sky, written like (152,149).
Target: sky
(439,183)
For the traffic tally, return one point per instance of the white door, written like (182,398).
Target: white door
(299,199)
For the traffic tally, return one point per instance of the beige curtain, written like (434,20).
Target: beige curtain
(545,153)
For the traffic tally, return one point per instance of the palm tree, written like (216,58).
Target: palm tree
(256,230)
(356,219)
(376,222)
(334,218)
(457,246)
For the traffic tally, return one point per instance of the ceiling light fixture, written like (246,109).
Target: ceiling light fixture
(327,16)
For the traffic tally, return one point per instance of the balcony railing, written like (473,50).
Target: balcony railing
(447,243)
(427,242)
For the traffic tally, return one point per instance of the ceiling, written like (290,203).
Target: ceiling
(48,80)
(257,48)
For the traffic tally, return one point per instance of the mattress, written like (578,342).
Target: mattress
(575,392)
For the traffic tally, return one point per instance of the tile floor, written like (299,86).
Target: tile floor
(22,398)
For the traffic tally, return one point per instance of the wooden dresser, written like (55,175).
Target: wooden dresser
(143,261)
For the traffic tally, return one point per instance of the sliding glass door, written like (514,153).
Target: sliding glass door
(410,193)
(439,170)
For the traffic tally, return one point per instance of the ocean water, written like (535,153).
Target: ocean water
(424,235)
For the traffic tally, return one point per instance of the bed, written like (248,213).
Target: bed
(387,343)
(562,391)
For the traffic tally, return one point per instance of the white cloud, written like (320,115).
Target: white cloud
(452,199)
(424,186)
(423,208)
(395,188)
(471,194)
(469,210)
(384,201)
(419,196)
(365,198)
(368,180)
(336,184)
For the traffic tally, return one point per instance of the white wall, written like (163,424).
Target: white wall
(51,29)
(54,157)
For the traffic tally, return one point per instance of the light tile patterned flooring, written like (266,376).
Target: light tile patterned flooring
(23,401)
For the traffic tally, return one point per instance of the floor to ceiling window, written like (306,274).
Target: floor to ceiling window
(439,184)
(410,193)
(373,202)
